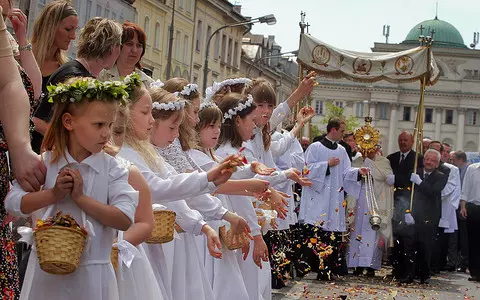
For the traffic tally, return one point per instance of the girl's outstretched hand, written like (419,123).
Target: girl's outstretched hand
(213,242)
(261,169)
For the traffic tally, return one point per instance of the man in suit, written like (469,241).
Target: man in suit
(418,237)
(402,163)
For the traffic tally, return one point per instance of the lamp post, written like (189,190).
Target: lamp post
(269,19)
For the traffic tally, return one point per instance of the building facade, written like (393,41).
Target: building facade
(225,46)
(261,57)
(451,105)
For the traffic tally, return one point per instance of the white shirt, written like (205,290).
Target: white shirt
(471,184)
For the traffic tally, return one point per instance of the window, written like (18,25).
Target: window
(407,111)
(360,110)
(180,4)
(471,117)
(178,40)
(168,39)
(448,116)
(157,36)
(339,104)
(216,51)
(235,55)
(188,6)
(99,10)
(107,12)
(88,10)
(428,115)
(199,35)
(224,48)
(114,16)
(209,32)
(229,53)
(146,26)
(382,111)
(318,107)
(185,49)
(195,78)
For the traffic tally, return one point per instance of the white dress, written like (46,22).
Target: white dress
(224,274)
(257,281)
(105,180)
(176,264)
(136,281)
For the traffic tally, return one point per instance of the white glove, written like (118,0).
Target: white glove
(390,179)
(415,178)
(409,218)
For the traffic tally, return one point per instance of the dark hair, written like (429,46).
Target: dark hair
(229,130)
(207,116)
(459,154)
(348,134)
(446,144)
(177,84)
(262,92)
(128,32)
(334,122)
(436,142)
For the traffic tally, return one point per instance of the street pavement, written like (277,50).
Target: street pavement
(443,286)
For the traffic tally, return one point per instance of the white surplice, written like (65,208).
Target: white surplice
(450,200)
(322,203)
(106,180)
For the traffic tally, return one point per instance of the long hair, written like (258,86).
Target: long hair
(45,28)
(229,131)
(129,30)
(188,137)
(262,92)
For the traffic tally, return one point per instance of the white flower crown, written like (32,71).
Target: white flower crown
(188,89)
(212,90)
(157,83)
(207,104)
(241,106)
(176,105)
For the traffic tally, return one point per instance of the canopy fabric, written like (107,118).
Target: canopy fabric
(400,67)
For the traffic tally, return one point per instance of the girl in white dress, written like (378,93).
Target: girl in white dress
(135,276)
(84,182)
(169,189)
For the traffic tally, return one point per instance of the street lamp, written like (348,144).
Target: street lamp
(268,19)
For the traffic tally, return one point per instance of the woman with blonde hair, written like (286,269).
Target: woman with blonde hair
(52,33)
(98,48)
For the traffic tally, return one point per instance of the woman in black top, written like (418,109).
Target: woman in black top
(98,48)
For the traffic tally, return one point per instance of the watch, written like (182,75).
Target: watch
(27,47)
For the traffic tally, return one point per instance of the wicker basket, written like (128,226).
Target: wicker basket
(59,249)
(164,221)
(114,258)
(226,237)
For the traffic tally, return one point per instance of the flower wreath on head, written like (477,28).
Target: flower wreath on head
(172,105)
(241,106)
(207,104)
(189,89)
(212,90)
(94,89)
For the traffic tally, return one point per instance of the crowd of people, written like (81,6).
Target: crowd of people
(97,138)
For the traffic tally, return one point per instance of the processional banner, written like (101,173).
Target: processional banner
(398,67)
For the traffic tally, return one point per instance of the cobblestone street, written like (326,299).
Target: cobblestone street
(442,286)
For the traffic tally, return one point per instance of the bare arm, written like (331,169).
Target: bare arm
(143,226)
(245,187)
(303,89)
(27,59)
(14,115)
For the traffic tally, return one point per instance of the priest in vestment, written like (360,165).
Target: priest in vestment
(322,206)
(367,245)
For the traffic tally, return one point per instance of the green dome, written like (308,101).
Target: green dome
(446,35)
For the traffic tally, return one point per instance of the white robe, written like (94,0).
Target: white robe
(176,264)
(450,200)
(106,180)
(224,274)
(322,203)
(257,281)
(287,153)
(366,251)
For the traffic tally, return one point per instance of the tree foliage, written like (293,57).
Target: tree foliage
(331,110)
